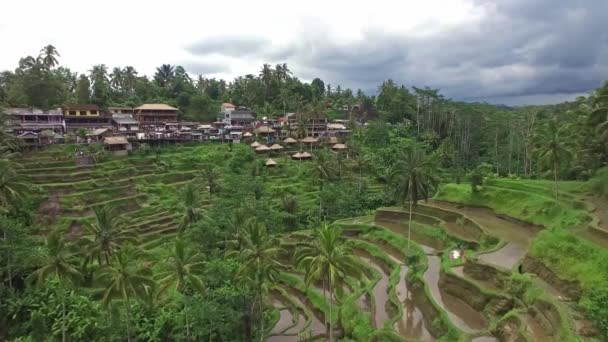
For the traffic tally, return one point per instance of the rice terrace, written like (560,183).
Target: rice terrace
(178,207)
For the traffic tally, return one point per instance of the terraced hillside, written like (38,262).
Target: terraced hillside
(496,290)
(472,273)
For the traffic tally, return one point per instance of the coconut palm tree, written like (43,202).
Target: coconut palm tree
(57,261)
(12,186)
(105,235)
(127,279)
(553,152)
(323,170)
(182,268)
(211,178)
(330,259)
(191,202)
(49,55)
(130,77)
(164,75)
(117,78)
(413,178)
(259,252)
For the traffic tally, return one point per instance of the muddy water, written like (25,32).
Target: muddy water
(411,324)
(462,315)
(316,325)
(517,235)
(285,321)
(380,290)
(486,339)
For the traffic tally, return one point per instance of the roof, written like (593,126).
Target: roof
(247,134)
(118,140)
(98,131)
(332,140)
(33,111)
(80,107)
(242,115)
(290,141)
(339,147)
(270,162)
(335,126)
(255,144)
(309,140)
(155,106)
(27,134)
(228,104)
(263,129)
(204,127)
(124,119)
(262,148)
(276,147)
(302,155)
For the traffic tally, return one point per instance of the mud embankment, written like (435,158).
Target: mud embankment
(568,288)
(485,274)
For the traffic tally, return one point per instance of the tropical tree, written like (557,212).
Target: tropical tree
(12,186)
(105,235)
(117,78)
(56,260)
(413,178)
(127,279)
(259,252)
(191,203)
(130,78)
(553,153)
(211,178)
(164,75)
(49,55)
(323,170)
(330,259)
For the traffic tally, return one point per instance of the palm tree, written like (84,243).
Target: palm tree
(99,73)
(56,261)
(323,171)
(49,55)
(330,259)
(105,235)
(117,78)
(266,74)
(12,186)
(164,75)
(127,279)
(183,268)
(211,177)
(553,152)
(413,178)
(191,202)
(258,253)
(130,77)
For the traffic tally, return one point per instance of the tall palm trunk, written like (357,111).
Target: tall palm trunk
(331,304)
(555,179)
(325,298)
(63,327)
(262,332)
(409,228)
(128,319)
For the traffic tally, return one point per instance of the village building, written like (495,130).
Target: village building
(85,116)
(118,145)
(97,135)
(242,118)
(121,110)
(21,120)
(155,117)
(125,124)
(315,124)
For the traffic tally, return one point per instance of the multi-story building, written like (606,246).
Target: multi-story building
(21,120)
(85,116)
(154,117)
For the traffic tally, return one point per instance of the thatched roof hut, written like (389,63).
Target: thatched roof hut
(262,148)
(276,147)
(290,141)
(270,163)
(247,134)
(332,140)
(255,144)
(301,155)
(264,130)
(339,147)
(309,140)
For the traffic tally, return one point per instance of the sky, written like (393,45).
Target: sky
(512,52)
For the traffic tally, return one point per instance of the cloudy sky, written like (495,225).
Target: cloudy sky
(501,51)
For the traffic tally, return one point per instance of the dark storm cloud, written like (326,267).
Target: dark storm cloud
(519,49)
